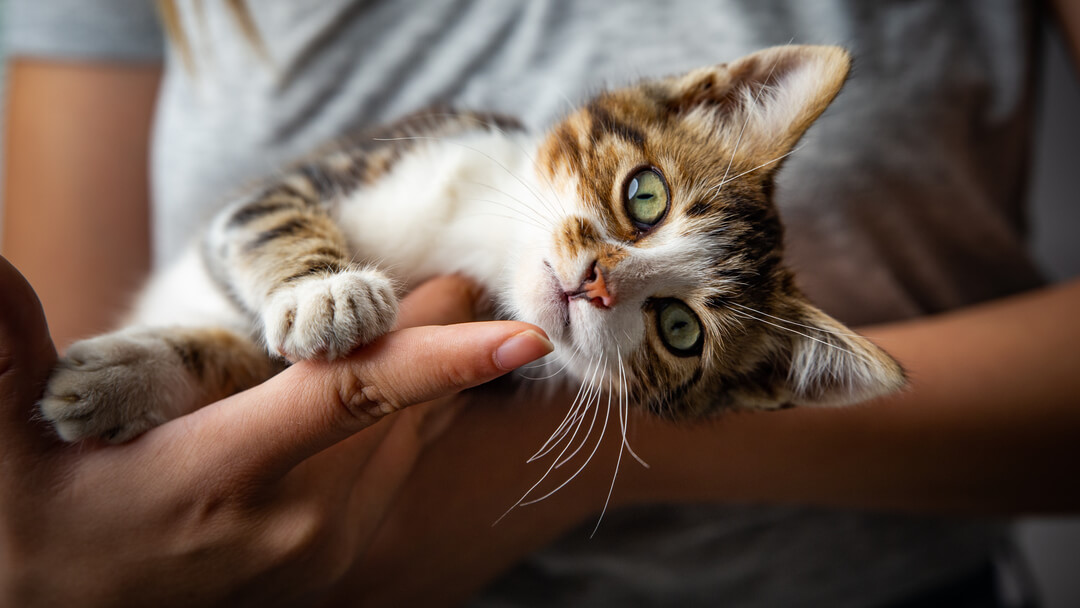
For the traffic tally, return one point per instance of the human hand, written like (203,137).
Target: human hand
(989,427)
(474,472)
(263,498)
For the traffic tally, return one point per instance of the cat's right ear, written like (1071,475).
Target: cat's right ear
(830,365)
(765,100)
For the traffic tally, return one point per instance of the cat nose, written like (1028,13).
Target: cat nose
(594,287)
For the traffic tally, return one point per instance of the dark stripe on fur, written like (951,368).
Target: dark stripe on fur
(325,266)
(604,122)
(257,209)
(190,357)
(679,392)
(330,252)
(320,181)
(718,302)
(288,228)
(699,209)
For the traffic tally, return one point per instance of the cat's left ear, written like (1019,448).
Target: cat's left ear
(830,365)
(765,100)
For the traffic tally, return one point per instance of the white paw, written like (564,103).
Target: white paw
(116,386)
(328,317)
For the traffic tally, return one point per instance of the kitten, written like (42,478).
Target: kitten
(638,233)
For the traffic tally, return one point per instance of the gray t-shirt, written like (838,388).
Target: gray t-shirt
(906,199)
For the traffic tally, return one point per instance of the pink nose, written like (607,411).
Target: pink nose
(595,288)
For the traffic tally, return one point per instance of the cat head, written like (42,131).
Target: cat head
(664,276)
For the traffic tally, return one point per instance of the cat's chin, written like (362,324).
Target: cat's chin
(536,296)
(552,309)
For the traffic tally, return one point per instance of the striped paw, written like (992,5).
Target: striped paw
(116,386)
(327,317)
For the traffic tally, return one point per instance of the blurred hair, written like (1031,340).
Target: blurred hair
(181,41)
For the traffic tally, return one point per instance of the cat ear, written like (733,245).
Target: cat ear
(765,100)
(831,365)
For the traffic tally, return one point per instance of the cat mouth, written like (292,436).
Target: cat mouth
(559,297)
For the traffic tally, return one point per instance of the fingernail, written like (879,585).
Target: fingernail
(522,348)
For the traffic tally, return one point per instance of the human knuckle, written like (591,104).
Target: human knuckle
(458,375)
(360,400)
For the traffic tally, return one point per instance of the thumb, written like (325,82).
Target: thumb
(27,356)
(314,405)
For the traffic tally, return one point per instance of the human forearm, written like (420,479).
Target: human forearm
(989,425)
(76,187)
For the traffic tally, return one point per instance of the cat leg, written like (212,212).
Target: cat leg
(118,385)
(285,260)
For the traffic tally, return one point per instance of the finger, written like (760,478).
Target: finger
(440,301)
(314,405)
(27,356)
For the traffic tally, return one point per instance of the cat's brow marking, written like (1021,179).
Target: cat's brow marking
(604,122)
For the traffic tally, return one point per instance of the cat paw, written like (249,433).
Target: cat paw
(328,317)
(114,387)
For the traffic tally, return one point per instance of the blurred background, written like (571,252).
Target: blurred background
(1052,545)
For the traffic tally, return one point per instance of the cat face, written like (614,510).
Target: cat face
(663,276)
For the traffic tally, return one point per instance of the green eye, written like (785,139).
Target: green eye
(646,198)
(679,328)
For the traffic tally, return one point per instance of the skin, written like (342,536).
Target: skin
(976,435)
(59,117)
(204,510)
(989,426)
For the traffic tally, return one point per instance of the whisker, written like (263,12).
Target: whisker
(808,337)
(573,355)
(766,164)
(536,212)
(509,217)
(591,397)
(522,501)
(821,329)
(467,147)
(738,140)
(573,405)
(536,219)
(594,403)
(626,405)
(508,137)
(611,488)
(596,446)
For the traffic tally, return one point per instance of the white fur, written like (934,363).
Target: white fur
(473,205)
(184,294)
(328,317)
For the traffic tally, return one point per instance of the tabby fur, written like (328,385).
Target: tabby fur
(312,263)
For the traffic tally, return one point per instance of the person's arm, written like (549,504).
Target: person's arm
(76,195)
(990,425)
